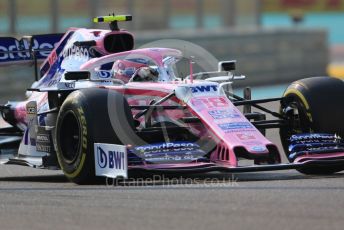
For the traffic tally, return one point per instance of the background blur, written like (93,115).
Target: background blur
(274,41)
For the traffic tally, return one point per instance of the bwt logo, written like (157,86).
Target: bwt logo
(204,88)
(111,159)
(104,74)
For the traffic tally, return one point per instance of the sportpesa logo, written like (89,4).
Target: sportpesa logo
(166,147)
(78,53)
(11,51)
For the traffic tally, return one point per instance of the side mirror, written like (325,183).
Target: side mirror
(220,79)
(227,66)
(77,75)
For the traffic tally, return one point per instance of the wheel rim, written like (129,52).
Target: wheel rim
(70,137)
(299,122)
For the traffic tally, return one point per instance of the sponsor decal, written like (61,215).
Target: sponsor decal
(258,149)
(32,121)
(31,110)
(173,158)
(52,57)
(166,147)
(53,82)
(235,126)
(13,45)
(43,148)
(209,102)
(223,114)
(43,138)
(198,104)
(44,141)
(78,53)
(48,69)
(84,129)
(65,85)
(69,85)
(246,136)
(203,89)
(9,47)
(314,137)
(169,152)
(103,74)
(110,160)
(53,79)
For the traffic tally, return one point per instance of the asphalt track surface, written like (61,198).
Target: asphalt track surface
(39,199)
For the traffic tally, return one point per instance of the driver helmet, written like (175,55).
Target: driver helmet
(146,74)
(125,69)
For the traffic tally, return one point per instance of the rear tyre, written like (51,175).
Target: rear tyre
(84,119)
(314,105)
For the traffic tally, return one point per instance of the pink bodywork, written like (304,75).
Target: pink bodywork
(199,105)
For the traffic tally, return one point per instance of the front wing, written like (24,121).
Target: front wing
(211,167)
(202,167)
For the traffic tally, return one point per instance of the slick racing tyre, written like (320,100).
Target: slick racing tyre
(84,119)
(314,105)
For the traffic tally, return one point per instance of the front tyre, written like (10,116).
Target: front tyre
(84,120)
(314,105)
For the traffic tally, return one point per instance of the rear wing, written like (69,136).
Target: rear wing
(29,49)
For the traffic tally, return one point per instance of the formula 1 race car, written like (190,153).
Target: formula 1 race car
(101,108)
